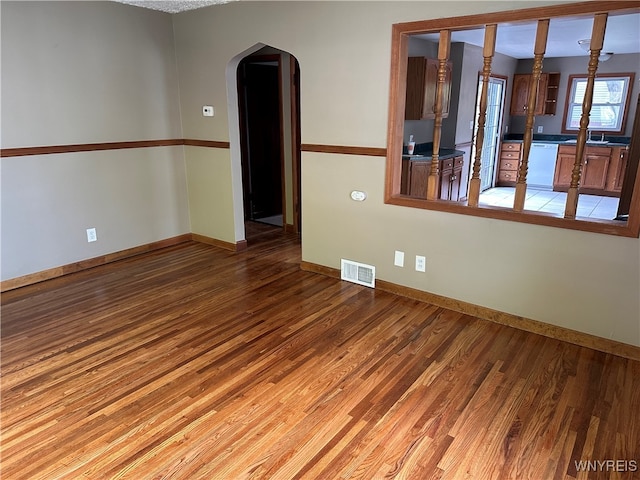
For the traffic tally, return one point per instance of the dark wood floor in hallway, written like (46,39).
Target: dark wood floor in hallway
(193,362)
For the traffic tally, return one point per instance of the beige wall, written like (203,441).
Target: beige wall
(581,281)
(64,60)
(87,72)
(210,192)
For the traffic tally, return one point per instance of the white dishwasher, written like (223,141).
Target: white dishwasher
(542,165)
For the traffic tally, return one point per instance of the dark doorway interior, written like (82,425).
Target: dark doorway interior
(261,138)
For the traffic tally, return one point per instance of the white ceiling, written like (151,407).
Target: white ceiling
(517,40)
(173,6)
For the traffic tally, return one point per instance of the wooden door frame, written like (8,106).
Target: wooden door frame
(295,146)
(496,159)
(242,106)
(294,81)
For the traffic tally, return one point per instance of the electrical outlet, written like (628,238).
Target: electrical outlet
(92,236)
(399,259)
(421,263)
(540,129)
(207,111)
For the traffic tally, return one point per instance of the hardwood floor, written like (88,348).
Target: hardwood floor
(197,363)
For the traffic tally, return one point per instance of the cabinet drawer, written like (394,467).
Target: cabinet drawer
(509,155)
(458,163)
(511,147)
(507,176)
(446,165)
(567,149)
(508,164)
(603,151)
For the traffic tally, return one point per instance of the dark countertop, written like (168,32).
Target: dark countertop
(612,141)
(427,156)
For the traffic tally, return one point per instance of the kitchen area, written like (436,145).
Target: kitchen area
(558,108)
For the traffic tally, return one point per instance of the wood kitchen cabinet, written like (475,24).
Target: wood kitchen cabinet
(564,167)
(422,81)
(617,169)
(594,168)
(596,177)
(510,153)
(546,101)
(416,172)
(450,177)
(414,177)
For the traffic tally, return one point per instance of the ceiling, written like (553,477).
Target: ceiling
(173,6)
(517,40)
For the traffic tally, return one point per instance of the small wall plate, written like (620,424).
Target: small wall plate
(358,196)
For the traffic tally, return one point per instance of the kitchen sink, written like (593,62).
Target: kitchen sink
(589,142)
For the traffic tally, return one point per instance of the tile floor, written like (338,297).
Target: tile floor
(592,206)
(274,220)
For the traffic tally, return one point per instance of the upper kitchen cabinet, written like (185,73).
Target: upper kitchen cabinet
(422,80)
(546,101)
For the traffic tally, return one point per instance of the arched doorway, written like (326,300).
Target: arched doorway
(266,157)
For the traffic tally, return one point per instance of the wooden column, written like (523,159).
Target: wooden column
(487,53)
(597,38)
(444,46)
(538,55)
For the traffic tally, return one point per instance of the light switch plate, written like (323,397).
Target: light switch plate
(399,259)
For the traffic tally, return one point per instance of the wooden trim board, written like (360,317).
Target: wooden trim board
(80,265)
(345,150)
(92,147)
(234,247)
(87,147)
(534,326)
(206,143)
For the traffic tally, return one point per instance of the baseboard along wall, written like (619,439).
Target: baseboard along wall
(534,326)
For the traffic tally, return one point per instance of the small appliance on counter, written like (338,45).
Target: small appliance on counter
(411,146)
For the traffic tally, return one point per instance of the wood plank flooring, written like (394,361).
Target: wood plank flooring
(197,363)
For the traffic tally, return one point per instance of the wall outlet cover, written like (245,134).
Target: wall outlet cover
(399,259)
(92,235)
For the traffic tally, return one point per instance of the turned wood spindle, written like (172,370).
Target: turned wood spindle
(443,57)
(487,53)
(597,39)
(538,56)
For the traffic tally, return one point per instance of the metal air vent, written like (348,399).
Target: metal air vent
(358,273)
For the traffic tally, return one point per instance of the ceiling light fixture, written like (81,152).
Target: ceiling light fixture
(585,44)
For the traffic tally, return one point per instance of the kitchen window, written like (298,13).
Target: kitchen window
(610,102)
